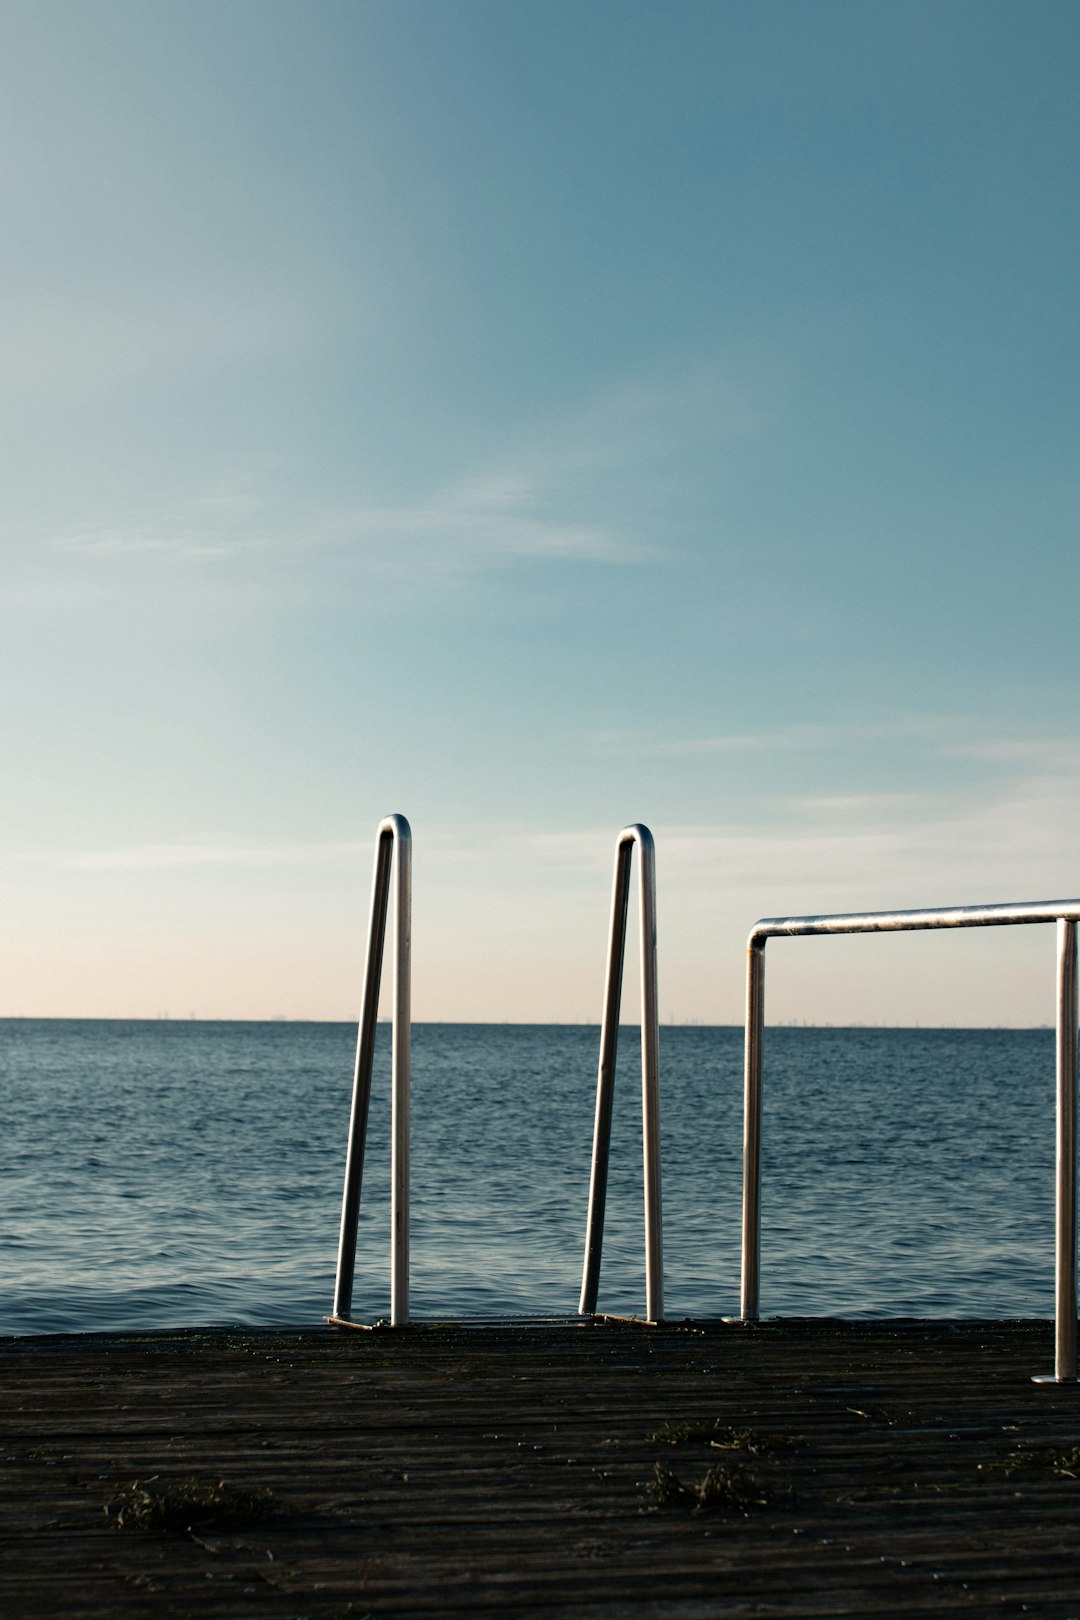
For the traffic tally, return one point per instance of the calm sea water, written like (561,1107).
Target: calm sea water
(158,1174)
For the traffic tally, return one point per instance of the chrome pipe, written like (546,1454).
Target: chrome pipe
(650,1079)
(605,1080)
(882,922)
(400,1061)
(751,1213)
(1066,913)
(1065,1286)
(650,1074)
(394,834)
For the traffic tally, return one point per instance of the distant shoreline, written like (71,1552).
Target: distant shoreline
(495,1023)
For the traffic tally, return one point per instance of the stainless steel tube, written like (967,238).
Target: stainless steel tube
(751,1214)
(1066,913)
(650,1075)
(361,1092)
(884,922)
(650,1079)
(401,1050)
(393,833)
(605,1080)
(1065,1334)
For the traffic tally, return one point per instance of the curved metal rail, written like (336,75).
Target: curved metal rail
(1066,914)
(650,1074)
(394,835)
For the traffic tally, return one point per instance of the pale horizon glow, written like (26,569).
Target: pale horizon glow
(536,419)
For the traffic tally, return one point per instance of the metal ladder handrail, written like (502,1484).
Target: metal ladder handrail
(394,836)
(1066,913)
(650,1074)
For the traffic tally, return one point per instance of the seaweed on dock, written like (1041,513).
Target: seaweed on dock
(726,1487)
(721,1437)
(191,1504)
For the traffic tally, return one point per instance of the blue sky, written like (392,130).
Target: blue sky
(535,418)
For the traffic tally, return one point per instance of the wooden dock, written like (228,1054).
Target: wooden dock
(596,1470)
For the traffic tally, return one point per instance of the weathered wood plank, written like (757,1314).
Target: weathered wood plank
(885,1469)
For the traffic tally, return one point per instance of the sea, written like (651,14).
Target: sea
(159,1174)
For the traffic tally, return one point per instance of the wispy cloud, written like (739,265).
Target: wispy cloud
(944,730)
(593,489)
(485,521)
(836,853)
(122,542)
(150,857)
(597,487)
(1038,752)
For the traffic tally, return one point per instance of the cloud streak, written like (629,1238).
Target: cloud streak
(579,496)
(872,851)
(157,857)
(119,542)
(484,523)
(944,731)
(481,525)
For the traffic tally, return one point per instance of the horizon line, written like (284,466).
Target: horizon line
(490,1023)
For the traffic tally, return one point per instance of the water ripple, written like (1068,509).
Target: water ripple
(166,1174)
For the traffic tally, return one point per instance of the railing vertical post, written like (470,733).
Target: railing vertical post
(650,1082)
(650,1076)
(751,1215)
(401,1044)
(605,1080)
(393,833)
(1065,1290)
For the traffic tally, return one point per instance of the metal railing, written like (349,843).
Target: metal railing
(650,1074)
(394,836)
(1065,913)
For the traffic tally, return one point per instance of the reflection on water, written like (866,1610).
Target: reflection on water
(161,1174)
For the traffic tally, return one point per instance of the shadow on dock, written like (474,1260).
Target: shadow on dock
(696,1470)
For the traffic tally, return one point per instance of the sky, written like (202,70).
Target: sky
(535,416)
